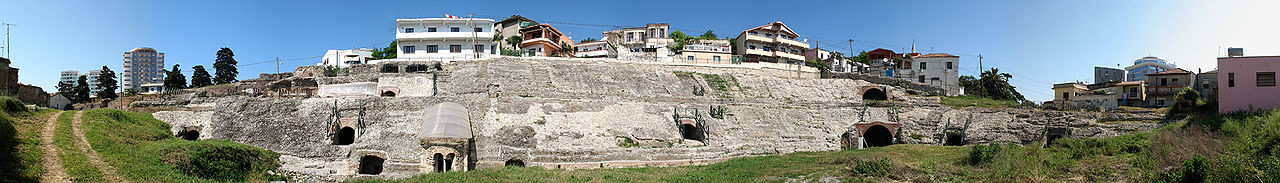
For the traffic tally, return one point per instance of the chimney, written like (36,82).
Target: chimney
(1235,52)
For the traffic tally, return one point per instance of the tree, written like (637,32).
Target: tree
(514,41)
(225,67)
(378,54)
(200,78)
(67,88)
(708,35)
(174,80)
(733,46)
(130,92)
(991,84)
(680,40)
(107,82)
(587,40)
(864,59)
(81,92)
(565,50)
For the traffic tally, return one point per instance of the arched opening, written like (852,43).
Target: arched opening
(954,139)
(515,162)
(1048,140)
(371,165)
(874,94)
(848,141)
(389,94)
(448,162)
(691,132)
(877,136)
(346,136)
(189,135)
(439,162)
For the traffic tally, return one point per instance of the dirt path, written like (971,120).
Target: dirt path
(108,172)
(53,170)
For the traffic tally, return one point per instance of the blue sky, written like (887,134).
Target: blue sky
(1040,42)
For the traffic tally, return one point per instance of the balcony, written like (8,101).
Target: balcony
(707,48)
(594,53)
(759,52)
(787,55)
(444,35)
(791,42)
(539,40)
(759,38)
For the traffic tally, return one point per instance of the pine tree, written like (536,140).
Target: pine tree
(67,88)
(174,80)
(225,67)
(200,78)
(107,82)
(81,92)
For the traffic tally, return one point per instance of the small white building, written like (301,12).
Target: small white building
(346,58)
(444,39)
(938,69)
(595,49)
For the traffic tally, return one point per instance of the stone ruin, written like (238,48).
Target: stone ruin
(398,119)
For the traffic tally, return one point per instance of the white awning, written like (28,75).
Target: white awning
(447,120)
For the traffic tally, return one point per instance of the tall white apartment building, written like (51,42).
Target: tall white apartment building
(444,39)
(346,58)
(92,80)
(69,76)
(143,70)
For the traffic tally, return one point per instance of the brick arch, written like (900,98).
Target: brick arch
(869,132)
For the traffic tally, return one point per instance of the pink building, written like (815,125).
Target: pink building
(1248,83)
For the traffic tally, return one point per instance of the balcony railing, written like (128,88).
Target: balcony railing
(443,35)
(706,48)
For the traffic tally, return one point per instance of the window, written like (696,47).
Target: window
(1175,81)
(433,49)
(690,58)
(408,30)
(923,65)
(479,48)
(477,29)
(431,29)
(455,48)
(407,49)
(949,65)
(454,29)
(716,58)
(493,50)
(922,78)
(1133,92)
(1160,102)
(1066,96)
(751,47)
(1266,79)
(1231,79)
(1164,82)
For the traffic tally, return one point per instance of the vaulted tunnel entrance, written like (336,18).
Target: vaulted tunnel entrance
(874,94)
(877,136)
(189,135)
(515,162)
(371,165)
(345,136)
(389,94)
(692,132)
(954,139)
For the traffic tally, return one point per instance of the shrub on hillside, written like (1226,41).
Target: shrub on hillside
(983,154)
(222,160)
(12,105)
(873,168)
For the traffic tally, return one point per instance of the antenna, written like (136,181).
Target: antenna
(8,45)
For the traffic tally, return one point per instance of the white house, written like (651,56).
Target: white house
(595,49)
(938,69)
(444,39)
(346,58)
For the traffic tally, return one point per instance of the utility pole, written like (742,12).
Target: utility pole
(979,65)
(278,65)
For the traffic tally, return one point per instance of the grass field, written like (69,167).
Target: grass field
(20,155)
(971,101)
(141,149)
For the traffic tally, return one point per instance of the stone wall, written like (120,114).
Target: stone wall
(923,89)
(572,113)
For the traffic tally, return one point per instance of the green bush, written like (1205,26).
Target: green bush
(223,161)
(876,168)
(12,105)
(1192,170)
(983,154)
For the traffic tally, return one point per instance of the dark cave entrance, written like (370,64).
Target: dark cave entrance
(874,94)
(878,136)
(954,139)
(692,132)
(515,162)
(371,165)
(346,136)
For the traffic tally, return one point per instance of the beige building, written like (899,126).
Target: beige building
(1132,93)
(511,27)
(648,43)
(715,51)
(773,42)
(1064,92)
(1163,87)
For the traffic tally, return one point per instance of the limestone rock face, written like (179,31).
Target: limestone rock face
(585,113)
